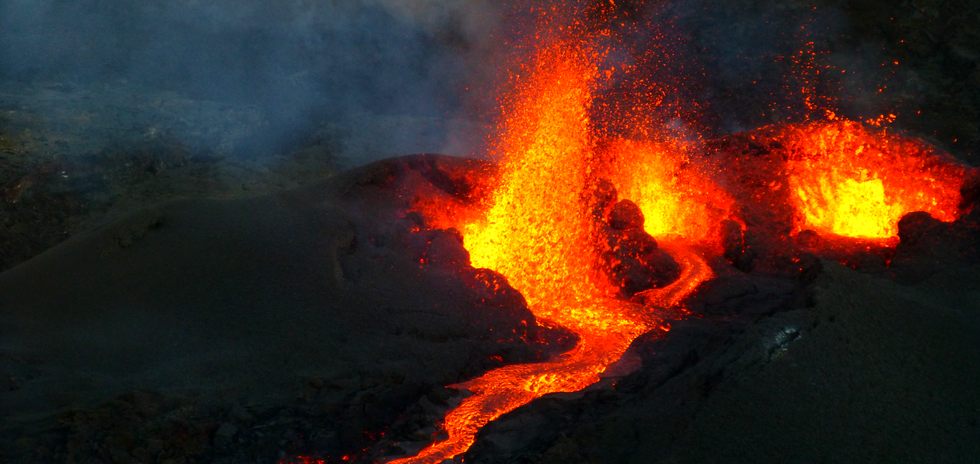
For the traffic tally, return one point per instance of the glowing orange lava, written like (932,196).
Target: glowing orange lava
(676,198)
(539,232)
(852,180)
(536,232)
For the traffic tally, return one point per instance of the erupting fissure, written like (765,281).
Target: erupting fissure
(539,228)
(676,199)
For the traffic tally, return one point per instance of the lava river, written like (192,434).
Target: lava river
(539,231)
(502,390)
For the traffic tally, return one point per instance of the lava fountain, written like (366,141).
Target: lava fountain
(539,231)
(848,179)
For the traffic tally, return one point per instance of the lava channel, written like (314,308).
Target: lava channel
(505,389)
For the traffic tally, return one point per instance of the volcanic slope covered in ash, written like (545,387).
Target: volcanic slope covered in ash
(247,329)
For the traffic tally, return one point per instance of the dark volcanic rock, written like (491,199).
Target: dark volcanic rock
(919,230)
(733,242)
(928,246)
(633,260)
(813,384)
(625,215)
(336,312)
(970,193)
(741,294)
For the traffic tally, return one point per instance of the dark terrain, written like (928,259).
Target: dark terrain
(176,288)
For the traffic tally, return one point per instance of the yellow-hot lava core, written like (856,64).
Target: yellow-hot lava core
(852,180)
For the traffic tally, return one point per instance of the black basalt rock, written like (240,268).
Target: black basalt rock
(633,259)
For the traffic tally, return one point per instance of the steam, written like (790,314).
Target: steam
(381,75)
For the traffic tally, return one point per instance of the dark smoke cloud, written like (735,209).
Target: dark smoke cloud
(403,66)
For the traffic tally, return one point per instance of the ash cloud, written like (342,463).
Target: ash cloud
(373,70)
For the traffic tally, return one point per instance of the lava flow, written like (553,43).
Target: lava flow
(539,231)
(851,180)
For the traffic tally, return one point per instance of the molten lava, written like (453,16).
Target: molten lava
(535,232)
(539,231)
(676,197)
(851,180)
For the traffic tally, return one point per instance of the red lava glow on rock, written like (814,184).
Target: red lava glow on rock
(849,179)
